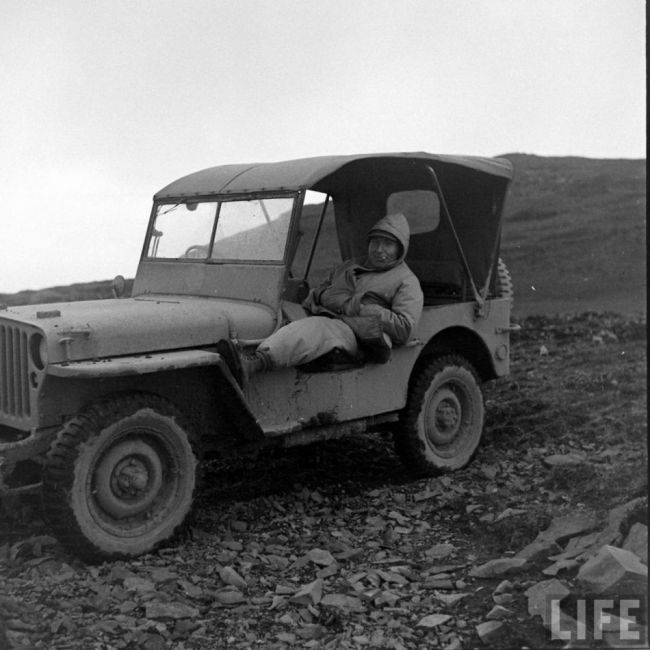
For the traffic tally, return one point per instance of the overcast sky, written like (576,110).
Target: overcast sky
(103,102)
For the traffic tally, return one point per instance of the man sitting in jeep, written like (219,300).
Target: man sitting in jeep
(366,306)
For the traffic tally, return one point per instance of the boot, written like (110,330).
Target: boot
(258,362)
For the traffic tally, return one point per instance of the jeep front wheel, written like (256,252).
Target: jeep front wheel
(441,425)
(120,477)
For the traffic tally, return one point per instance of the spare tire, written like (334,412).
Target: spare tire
(504,286)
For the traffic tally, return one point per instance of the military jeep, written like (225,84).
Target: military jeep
(108,407)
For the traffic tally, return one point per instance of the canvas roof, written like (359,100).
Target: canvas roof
(305,173)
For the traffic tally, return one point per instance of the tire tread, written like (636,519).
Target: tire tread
(58,472)
(408,445)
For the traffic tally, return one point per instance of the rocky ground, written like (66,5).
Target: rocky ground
(336,546)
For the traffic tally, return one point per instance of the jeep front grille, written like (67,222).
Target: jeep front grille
(14,372)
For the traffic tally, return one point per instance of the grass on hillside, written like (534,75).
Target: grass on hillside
(574,234)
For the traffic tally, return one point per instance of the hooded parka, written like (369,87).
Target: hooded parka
(357,289)
(391,296)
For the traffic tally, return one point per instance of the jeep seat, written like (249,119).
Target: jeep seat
(442,281)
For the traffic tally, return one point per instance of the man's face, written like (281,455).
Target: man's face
(382,251)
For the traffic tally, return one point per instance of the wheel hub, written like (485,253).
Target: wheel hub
(444,417)
(128,478)
(447,416)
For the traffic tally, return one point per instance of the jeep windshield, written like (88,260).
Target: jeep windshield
(250,230)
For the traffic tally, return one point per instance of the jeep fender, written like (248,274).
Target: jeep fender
(144,364)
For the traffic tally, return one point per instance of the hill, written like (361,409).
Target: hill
(574,234)
(573,238)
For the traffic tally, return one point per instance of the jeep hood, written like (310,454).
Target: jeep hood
(98,329)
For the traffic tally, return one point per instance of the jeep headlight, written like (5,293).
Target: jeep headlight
(38,350)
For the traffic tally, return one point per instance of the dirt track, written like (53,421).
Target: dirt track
(388,550)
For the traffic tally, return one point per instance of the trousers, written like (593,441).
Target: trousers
(307,339)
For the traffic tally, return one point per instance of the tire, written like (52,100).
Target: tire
(505,286)
(119,479)
(441,425)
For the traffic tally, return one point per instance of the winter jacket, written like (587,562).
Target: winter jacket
(356,289)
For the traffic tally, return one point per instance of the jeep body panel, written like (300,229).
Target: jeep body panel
(98,329)
(260,284)
(137,364)
(332,397)
(37,342)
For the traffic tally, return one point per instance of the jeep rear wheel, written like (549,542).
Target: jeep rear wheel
(120,478)
(442,423)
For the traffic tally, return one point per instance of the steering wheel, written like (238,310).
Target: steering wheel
(197,251)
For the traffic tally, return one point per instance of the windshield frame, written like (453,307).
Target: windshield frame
(220,199)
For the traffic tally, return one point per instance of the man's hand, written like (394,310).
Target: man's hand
(371,310)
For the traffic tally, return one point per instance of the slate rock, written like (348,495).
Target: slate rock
(617,516)
(502,599)
(141,585)
(321,557)
(439,551)
(613,571)
(170,610)
(578,545)
(573,458)
(500,566)
(232,578)
(153,642)
(433,620)
(162,574)
(450,599)
(343,601)
(560,565)
(438,583)
(229,596)
(309,594)
(582,548)
(454,644)
(497,613)
(637,541)
(563,528)
(490,631)
(539,549)
(311,631)
(505,586)
(540,594)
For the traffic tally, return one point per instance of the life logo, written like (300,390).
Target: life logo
(618,621)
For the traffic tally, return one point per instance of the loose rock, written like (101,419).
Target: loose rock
(490,631)
(309,594)
(556,460)
(563,528)
(231,577)
(433,620)
(497,613)
(540,594)
(614,571)
(637,541)
(500,566)
(170,610)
